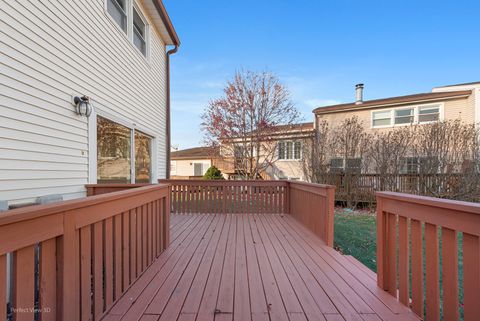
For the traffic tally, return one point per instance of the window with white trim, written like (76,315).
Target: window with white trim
(118,11)
(289,150)
(353,165)
(410,165)
(404,116)
(173,167)
(349,165)
(130,19)
(428,113)
(139,32)
(116,144)
(424,165)
(336,165)
(382,118)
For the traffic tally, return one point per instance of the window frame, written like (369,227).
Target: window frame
(92,142)
(125,12)
(336,169)
(142,16)
(285,143)
(133,5)
(380,111)
(344,168)
(429,107)
(400,109)
(416,110)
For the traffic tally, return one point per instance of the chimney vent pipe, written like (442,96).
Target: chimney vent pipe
(359,94)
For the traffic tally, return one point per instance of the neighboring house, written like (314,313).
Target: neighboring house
(452,102)
(288,142)
(192,163)
(111,55)
(443,103)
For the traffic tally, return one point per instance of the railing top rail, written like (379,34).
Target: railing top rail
(225,182)
(117,185)
(312,184)
(28,213)
(460,206)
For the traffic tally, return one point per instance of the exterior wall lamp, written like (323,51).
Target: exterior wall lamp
(83,105)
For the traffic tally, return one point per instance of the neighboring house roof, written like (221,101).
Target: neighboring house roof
(293,127)
(167,22)
(464,84)
(300,130)
(195,153)
(401,100)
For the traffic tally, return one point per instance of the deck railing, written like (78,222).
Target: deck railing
(439,240)
(72,260)
(235,197)
(311,204)
(98,189)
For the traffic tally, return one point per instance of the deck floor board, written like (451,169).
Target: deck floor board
(242,267)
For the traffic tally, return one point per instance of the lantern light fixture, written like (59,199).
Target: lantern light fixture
(83,105)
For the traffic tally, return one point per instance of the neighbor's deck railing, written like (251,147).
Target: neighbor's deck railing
(311,204)
(415,234)
(76,258)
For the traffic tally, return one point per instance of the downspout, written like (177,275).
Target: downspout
(168,131)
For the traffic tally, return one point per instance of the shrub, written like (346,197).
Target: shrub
(213,173)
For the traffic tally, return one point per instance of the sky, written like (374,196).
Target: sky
(320,49)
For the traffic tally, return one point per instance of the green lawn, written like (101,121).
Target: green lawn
(355,234)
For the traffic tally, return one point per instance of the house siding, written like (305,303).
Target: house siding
(185,167)
(463,109)
(50,50)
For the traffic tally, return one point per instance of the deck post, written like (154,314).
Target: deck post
(68,269)
(381,245)
(224,199)
(166,220)
(330,216)
(287,198)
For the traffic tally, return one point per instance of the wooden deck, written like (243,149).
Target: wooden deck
(253,267)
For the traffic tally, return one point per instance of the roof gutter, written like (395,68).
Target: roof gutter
(168,131)
(319,111)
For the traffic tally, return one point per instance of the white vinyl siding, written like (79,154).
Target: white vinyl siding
(44,145)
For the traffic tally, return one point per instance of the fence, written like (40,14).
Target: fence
(439,239)
(362,187)
(73,259)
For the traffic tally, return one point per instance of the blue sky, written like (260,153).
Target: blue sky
(319,49)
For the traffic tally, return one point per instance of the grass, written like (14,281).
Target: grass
(355,235)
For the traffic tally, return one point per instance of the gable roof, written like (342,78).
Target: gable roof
(401,100)
(195,153)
